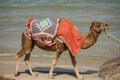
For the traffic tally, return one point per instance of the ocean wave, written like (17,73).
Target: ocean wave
(7,54)
(33,55)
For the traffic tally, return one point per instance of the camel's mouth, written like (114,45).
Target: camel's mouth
(105,27)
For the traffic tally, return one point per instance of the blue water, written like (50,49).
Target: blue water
(15,13)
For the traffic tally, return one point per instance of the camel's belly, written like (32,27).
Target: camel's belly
(60,46)
(45,47)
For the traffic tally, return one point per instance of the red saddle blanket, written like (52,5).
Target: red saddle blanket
(68,33)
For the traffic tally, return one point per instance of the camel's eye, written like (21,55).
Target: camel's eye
(99,25)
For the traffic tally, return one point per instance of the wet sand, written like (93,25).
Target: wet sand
(88,67)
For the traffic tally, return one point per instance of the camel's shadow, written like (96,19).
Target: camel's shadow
(58,71)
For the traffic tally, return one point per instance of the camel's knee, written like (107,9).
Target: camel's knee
(21,53)
(16,57)
(54,63)
(74,63)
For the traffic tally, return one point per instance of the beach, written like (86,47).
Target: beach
(88,68)
(14,15)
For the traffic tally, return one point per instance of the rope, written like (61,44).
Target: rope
(109,35)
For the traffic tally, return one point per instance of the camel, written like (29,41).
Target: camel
(27,46)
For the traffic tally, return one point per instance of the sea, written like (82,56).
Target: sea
(15,13)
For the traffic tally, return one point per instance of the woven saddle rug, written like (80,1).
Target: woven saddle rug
(43,30)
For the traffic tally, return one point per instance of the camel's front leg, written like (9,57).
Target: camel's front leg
(54,62)
(75,67)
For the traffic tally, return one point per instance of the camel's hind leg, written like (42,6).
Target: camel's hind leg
(27,46)
(18,55)
(27,57)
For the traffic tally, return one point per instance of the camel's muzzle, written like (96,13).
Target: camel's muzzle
(104,26)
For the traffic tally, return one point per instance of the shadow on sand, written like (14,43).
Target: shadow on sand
(57,71)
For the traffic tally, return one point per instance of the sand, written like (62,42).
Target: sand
(41,65)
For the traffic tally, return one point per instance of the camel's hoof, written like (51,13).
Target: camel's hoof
(51,77)
(16,74)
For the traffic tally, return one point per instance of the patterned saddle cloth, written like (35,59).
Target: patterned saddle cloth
(43,30)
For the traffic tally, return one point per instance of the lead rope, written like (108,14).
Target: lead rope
(109,35)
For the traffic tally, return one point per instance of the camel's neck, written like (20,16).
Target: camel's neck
(91,38)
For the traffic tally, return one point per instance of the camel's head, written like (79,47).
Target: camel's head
(98,26)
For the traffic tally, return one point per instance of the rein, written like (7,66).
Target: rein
(109,35)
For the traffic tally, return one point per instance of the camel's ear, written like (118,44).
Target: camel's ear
(92,23)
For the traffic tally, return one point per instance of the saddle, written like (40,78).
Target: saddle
(43,30)
(47,29)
